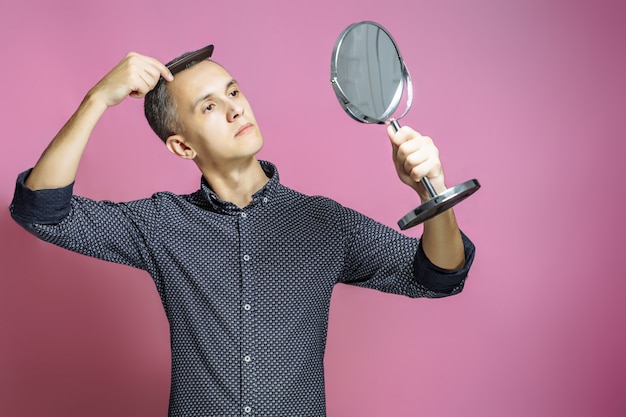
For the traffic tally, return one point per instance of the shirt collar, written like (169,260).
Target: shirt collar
(262,196)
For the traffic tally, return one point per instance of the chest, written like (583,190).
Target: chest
(275,257)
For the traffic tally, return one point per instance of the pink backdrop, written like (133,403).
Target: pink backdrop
(526,96)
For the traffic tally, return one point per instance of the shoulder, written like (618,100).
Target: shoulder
(317,207)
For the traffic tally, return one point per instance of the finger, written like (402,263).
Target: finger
(145,80)
(152,72)
(142,86)
(404,134)
(427,169)
(150,77)
(407,148)
(394,136)
(414,159)
(147,63)
(162,70)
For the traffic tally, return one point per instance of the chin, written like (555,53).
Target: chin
(257,145)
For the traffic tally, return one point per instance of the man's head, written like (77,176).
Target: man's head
(202,115)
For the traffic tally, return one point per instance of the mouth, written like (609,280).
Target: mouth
(244,129)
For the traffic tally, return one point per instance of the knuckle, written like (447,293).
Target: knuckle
(415,175)
(406,148)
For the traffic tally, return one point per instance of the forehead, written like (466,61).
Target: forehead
(205,77)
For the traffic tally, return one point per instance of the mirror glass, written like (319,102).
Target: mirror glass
(371,81)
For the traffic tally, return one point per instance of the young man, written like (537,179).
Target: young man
(244,266)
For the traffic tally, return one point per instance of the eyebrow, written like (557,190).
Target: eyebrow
(209,95)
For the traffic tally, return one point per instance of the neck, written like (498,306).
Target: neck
(236,183)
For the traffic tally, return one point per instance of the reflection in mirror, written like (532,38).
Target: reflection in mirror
(371,76)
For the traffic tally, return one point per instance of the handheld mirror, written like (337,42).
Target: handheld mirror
(370,79)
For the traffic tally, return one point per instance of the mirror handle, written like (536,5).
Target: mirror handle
(429,187)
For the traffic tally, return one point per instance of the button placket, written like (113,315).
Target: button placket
(248,288)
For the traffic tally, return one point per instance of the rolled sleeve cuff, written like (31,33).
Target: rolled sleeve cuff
(441,280)
(48,206)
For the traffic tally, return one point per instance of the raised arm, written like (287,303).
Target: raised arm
(415,157)
(134,76)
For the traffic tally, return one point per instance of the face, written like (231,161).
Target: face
(219,126)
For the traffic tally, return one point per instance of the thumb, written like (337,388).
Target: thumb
(398,137)
(391,132)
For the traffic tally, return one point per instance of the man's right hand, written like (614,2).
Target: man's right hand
(134,76)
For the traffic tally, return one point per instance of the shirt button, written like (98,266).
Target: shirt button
(247,409)
(247,358)
(265,199)
(247,307)
(244,215)
(246,257)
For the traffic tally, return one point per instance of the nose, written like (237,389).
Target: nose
(234,110)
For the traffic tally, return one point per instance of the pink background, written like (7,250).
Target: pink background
(526,96)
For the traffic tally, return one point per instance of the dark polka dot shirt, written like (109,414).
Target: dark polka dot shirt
(246,291)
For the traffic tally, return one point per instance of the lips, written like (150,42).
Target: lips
(244,129)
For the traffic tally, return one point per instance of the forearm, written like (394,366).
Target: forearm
(416,157)
(58,164)
(442,242)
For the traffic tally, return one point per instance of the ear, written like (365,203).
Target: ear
(176,145)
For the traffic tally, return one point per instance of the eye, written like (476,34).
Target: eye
(234,93)
(208,108)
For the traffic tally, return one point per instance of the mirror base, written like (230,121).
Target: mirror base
(439,203)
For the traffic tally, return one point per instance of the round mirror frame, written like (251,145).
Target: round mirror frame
(405,81)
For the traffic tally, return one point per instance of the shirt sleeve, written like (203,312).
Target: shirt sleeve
(381,258)
(441,280)
(39,207)
(114,232)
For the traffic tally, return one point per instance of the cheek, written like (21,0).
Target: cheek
(249,111)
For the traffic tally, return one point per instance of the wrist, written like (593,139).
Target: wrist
(94,101)
(437,186)
(92,106)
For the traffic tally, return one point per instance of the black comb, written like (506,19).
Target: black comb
(189,60)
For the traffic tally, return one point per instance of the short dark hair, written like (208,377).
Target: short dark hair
(160,108)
